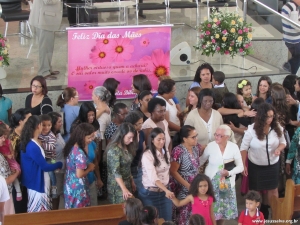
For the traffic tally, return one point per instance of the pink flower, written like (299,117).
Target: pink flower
(213,41)
(240,32)
(250,44)
(246,30)
(1,58)
(218,22)
(120,49)
(241,50)
(100,54)
(218,48)
(246,46)
(89,86)
(224,32)
(158,63)
(203,46)
(207,33)
(144,42)
(232,43)
(209,25)
(226,52)
(201,36)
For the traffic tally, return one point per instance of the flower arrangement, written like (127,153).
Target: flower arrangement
(225,33)
(4,46)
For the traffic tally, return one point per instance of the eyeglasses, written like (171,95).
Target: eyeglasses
(36,86)
(194,137)
(218,135)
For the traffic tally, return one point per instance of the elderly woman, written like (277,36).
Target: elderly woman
(205,119)
(263,142)
(166,91)
(184,167)
(224,162)
(157,109)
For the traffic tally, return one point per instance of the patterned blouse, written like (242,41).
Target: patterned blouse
(110,130)
(15,142)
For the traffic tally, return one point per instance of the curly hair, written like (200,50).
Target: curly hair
(261,118)
(197,77)
(241,82)
(28,131)
(78,136)
(194,188)
(279,103)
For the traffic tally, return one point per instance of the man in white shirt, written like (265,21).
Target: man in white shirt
(4,196)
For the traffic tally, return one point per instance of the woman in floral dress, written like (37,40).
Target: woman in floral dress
(294,153)
(184,167)
(76,187)
(119,155)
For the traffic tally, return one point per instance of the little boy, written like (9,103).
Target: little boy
(48,140)
(219,86)
(252,215)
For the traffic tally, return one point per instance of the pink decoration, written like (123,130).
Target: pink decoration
(207,33)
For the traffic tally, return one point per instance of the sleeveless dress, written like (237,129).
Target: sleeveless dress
(203,208)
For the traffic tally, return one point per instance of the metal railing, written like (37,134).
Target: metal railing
(269,9)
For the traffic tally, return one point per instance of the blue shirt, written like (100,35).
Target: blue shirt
(5,105)
(91,156)
(71,112)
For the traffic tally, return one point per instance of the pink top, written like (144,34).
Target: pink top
(151,173)
(4,149)
(203,208)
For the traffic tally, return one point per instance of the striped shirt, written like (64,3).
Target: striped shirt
(291,34)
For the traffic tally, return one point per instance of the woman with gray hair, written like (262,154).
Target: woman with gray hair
(224,162)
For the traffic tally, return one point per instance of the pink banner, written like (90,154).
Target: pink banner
(98,53)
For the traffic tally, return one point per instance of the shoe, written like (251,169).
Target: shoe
(287,67)
(55,72)
(50,77)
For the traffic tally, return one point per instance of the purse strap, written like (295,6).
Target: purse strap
(43,105)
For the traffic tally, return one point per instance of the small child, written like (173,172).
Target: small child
(201,195)
(48,140)
(7,151)
(131,208)
(252,215)
(149,215)
(220,87)
(244,88)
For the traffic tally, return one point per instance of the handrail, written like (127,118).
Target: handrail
(269,9)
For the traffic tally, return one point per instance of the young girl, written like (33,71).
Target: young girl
(132,208)
(244,88)
(201,195)
(149,215)
(7,151)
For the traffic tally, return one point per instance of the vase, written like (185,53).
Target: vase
(2,73)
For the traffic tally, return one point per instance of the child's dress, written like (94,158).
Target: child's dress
(203,208)
(4,150)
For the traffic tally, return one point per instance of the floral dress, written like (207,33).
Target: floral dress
(188,169)
(110,130)
(76,190)
(294,153)
(118,166)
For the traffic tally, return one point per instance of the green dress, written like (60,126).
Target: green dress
(294,153)
(118,166)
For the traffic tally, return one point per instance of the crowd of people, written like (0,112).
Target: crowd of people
(158,160)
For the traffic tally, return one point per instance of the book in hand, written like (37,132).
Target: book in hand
(229,165)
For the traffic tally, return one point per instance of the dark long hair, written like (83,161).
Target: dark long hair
(111,85)
(196,219)
(288,83)
(141,83)
(261,118)
(196,91)
(28,131)
(156,131)
(197,77)
(18,116)
(279,103)
(54,116)
(183,133)
(194,188)
(78,136)
(148,214)
(66,95)
(269,81)
(133,207)
(230,101)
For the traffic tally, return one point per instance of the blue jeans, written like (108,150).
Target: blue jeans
(159,200)
(295,60)
(137,178)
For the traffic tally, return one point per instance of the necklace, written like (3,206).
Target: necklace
(204,203)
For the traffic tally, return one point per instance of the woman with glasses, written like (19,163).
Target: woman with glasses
(204,118)
(263,142)
(144,97)
(224,162)
(68,102)
(184,167)
(38,102)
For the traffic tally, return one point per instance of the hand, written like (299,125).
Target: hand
(245,172)
(133,186)
(126,194)
(277,152)
(99,183)
(10,156)
(224,173)
(231,125)
(290,100)
(187,186)
(250,113)
(91,167)
(288,168)
(169,194)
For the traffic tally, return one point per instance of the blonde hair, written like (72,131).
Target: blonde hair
(228,132)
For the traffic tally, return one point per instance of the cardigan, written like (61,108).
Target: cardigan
(194,119)
(33,165)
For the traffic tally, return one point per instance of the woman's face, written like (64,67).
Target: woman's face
(263,87)
(207,102)
(240,100)
(2,139)
(122,114)
(91,116)
(36,87)
(144,102)
(297,87)
(191,140)
(159,113)
(134,90)
(270,117)
(95,98)
(58,124)
(220,136)
(75,98)
(138,124)
(159,141)
(89,138)
(40,128)
(205,76)
(193,98)
(128,138)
